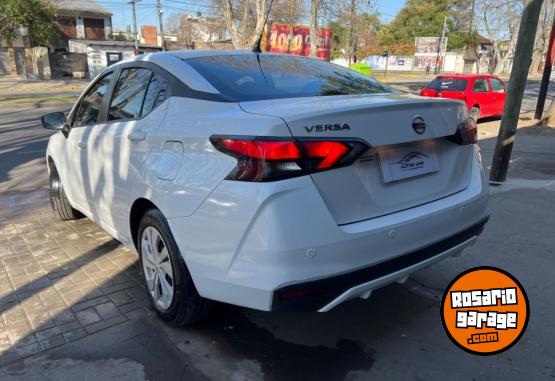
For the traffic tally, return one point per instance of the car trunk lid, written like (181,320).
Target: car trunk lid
(382,181)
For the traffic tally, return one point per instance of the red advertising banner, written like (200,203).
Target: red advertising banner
(281,40)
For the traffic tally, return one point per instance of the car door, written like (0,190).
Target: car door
(481,94)
(123,143)
(85,117)
(498,95)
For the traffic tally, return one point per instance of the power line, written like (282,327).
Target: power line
(194,4)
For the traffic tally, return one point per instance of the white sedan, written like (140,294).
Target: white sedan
(275,182)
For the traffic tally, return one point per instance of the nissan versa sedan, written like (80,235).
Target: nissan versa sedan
(274,182)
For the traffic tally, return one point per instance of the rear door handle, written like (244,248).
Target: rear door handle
(82,145)
(136,136)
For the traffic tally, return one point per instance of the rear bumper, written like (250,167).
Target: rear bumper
(324,294)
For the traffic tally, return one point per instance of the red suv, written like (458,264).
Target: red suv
(483,94)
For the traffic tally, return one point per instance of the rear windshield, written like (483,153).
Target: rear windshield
(448,84)
(250,77)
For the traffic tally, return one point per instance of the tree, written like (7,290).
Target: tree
(499,20)
(542,36)
(424,18)
(289,12)
(191,29)
(356,24)
(245,23)
(38,16)
(314,5)
(366,29)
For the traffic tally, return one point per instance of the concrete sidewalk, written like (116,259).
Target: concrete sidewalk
(72,305)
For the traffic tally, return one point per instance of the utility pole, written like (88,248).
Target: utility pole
(546,75)
(133,2)
(161,23)
(515,91)
(440,41)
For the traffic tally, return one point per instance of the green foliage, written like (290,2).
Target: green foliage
(424,18)
(366,27)
(338,32)
(121,37)
(38,16)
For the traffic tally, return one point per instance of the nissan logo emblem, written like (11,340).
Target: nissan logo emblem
(419,125)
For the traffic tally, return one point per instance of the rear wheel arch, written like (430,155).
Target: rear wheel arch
(50,163)
(138,209)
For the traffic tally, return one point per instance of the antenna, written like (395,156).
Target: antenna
(256,48)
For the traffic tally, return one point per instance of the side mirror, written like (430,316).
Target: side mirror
(54,121)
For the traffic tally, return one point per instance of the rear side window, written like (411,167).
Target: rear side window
(480,86)
(156,93)
(249,77)
(90,106)
(447,84)
(129,94)
(496,85)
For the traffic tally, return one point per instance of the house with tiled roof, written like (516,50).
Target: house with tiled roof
(77,20)
(83,19)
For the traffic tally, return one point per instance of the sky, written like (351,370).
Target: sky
(146,10)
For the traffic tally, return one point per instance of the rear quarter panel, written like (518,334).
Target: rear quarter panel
(200,167)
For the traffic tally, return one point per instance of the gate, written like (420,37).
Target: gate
(64,64)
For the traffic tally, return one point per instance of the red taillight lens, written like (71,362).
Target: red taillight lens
(269,150)
(467,133)
(329,152)
(268,159)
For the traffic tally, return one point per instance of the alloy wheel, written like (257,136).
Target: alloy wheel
(157,268)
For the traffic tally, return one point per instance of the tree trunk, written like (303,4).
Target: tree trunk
(227,12)
(314,4)
(352,32)
(248,37)
(515,91)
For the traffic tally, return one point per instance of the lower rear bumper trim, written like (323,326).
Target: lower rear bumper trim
(324,294)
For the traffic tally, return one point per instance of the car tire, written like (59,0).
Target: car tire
(474,113)
(159,256)
(58,199)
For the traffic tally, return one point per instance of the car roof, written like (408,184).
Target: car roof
(174,63)
(186,54)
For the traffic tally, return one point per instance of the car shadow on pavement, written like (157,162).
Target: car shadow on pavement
(70,280)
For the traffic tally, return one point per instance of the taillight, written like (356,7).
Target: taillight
(269,159)
(467,133)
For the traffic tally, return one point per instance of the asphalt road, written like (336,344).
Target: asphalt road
(395,334)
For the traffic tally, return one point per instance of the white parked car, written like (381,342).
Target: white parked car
(275,182)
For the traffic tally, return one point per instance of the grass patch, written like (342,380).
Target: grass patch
(38,100)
